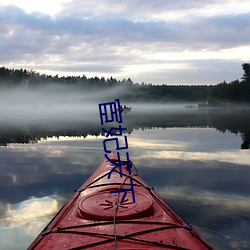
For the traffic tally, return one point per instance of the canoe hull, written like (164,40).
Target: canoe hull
(93,218)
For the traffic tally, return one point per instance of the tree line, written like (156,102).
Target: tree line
(236,91)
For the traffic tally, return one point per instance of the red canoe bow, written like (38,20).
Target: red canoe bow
(94,218)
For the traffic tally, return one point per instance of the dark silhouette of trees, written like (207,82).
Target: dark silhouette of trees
(234,92)
(221,94)
(246,69)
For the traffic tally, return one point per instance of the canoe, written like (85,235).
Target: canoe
(117,210)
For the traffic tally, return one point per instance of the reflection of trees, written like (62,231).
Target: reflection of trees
(19,134)
(16,137)
(234,121)
(246,141)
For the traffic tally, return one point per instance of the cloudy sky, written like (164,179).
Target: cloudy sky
(157,41)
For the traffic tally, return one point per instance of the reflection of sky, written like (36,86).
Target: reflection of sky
(189,144)
(186,139)
(199,171)
(203,174)
(24,220)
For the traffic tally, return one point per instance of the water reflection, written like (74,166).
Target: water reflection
(29,210)
(194,161)
(234,121)
(201,174)
(19,222)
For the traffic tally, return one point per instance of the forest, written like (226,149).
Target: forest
(224,93)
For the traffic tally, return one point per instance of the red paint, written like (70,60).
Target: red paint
(87,220)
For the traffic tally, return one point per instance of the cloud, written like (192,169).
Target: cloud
(141,9)
(91,37)
(44,31)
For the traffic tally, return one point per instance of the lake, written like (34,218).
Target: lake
(198,160)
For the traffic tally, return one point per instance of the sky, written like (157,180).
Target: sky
(153,41)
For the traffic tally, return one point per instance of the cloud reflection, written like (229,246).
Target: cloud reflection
(29,211)
(223,156)
(199,144)
(22,222)
(228,203)
(198,171)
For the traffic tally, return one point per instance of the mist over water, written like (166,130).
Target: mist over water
(44,103)
(60,102)
(59,109)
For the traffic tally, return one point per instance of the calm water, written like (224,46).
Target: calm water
(193,158)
